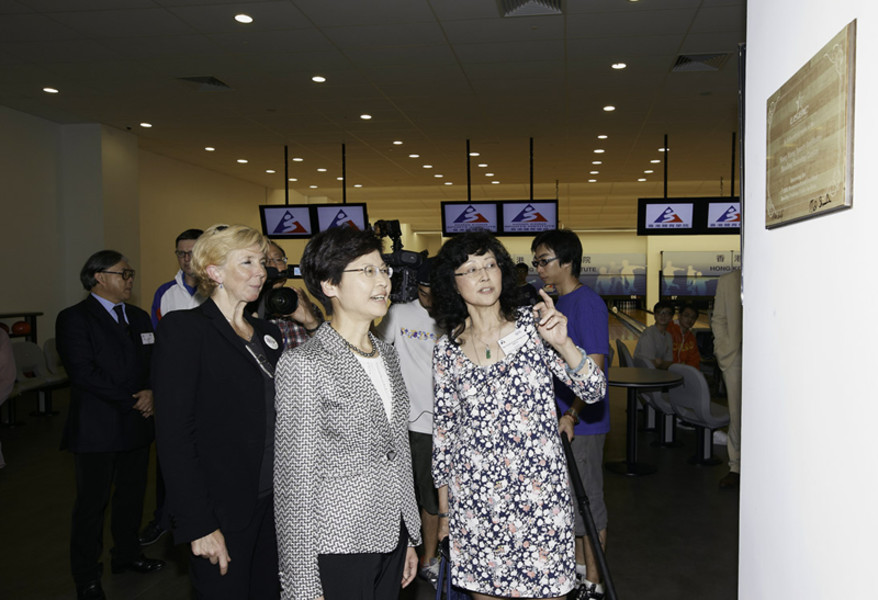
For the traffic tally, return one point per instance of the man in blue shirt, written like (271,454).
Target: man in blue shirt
(179,293)
(557,259)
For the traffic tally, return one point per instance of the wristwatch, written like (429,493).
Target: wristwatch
(573,415)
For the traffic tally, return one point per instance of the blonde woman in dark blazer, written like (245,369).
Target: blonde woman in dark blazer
(345,509)
(213,371)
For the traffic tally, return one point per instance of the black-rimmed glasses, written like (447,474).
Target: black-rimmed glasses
(125,273)
(542,262)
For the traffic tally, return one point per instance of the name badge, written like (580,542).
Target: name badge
(147,338)
(270,342)
(513,341)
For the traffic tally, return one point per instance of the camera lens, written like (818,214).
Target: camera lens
(281,301)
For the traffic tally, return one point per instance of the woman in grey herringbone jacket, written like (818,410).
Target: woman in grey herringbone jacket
(347,521)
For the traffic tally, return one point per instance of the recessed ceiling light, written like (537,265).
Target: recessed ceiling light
(397,142)
(313,187)
(602,137)
(210,148)
(427,166)
(448,183)
(146,125)
(494,182)
(339,178)
(438,175)
(365,117)
(648,171)
(592,180)
(321,170)
(292,179)
(609,108)
(242,18)
(483,165)
(50,90)
(597,162)
(655,161)
(270,171)
(619,66)
(642,179)
(297,159)
(489,174)
(414,156)
(242,161)
(358,185)
(599,151)
(474,154)
(664,149)
(318,79)
(594,172)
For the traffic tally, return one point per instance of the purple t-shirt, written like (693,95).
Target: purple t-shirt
(588,327)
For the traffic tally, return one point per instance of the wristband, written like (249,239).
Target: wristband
(442,515)
(580,365)
(573,415)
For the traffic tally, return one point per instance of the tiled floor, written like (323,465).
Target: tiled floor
(672,535)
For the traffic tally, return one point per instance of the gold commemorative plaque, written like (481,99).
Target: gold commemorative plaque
(810,131)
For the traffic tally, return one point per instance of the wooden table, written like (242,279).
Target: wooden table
(634,379)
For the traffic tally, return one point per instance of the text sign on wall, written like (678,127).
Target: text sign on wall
(810,136)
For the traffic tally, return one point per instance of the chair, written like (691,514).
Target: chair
(32,374)
(691,402)
(625,358)
(53,360)
(662,407)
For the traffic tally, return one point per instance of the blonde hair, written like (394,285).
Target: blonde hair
(213,248)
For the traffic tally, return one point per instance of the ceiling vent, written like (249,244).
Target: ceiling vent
(700,62)
(530,8)
(207,83)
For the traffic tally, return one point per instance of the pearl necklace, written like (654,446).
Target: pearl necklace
(360,351)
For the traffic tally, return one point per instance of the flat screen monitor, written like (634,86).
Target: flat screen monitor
(689,216)
(286,221)
(724,215)
(462,217)
(341,215)
(528,217)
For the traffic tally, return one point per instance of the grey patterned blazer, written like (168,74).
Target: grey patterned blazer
(342,472)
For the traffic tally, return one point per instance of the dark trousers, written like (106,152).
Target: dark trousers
(253,570)
(97,474)
(367,576)
(159,515)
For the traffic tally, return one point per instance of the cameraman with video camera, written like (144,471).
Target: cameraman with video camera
(287,307)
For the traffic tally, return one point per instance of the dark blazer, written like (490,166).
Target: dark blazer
(210,418)
(106,367)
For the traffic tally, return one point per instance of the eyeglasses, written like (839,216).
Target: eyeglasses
(183,253)
(542,262)
(282,259)
(125,273)
(371,271)
(475,272)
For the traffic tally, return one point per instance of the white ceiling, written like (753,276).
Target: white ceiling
(432,73)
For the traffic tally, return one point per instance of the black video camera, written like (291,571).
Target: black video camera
(405,263)
(280,301)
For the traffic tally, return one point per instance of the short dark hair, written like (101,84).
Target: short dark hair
(663,304)
(276,245)
(189,234)
(97,262)
(689,306)
(328,254)
(449,308)
(566,246)
(522,267)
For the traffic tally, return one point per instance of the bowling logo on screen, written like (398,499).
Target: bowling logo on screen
(669,216)
(529,217)
(724,215)
(288,221)
(460,218)
(330,216)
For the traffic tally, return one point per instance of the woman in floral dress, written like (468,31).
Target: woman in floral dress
(497,455)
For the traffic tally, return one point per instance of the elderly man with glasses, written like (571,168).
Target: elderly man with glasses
(106,347)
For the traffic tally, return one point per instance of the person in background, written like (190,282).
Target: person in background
(557,254)
(529,294)
(727,325)
(7,374)
(413,332)
(655,343)
(177,294)
(106,346)
(685,347)
(347,518)
(180,292)
(504,498)
(214,387)
(298,326)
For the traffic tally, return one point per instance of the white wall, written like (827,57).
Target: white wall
(808,494)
